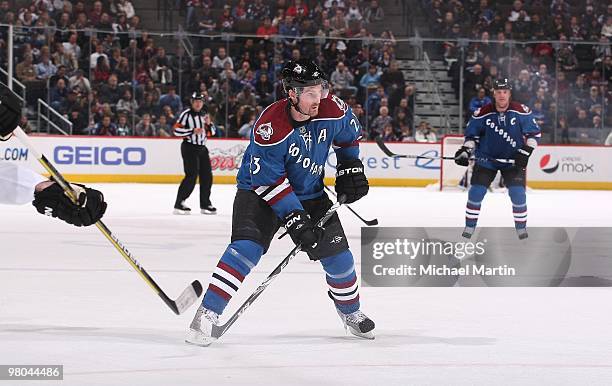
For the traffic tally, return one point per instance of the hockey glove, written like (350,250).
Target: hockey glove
(351,180)
(302,231)
(462,156)
(522,155)
(53,201)
(10,112)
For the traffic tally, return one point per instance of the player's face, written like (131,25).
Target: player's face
(310,98)
(502,98)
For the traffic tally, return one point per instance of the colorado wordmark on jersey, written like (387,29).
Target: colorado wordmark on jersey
(189,120)
(285,160)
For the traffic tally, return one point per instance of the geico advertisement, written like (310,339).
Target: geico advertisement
(571,163)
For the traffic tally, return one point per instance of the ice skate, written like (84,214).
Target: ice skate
(181,209)
(358,324)
(522,233)
(209,210)
(468,232)
(200,329)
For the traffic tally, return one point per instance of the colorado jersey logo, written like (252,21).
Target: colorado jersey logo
(265,131)
(504,134)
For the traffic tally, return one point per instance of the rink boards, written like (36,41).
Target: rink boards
(158,160)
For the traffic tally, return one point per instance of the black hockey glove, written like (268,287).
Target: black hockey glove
(521,158)
(53,201)
(302,231)
(462,156)
(10,112)
(351,180)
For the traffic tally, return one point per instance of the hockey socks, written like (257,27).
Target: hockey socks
(519,206)
(519,209)
(237,261)
(342,281)
(475,196)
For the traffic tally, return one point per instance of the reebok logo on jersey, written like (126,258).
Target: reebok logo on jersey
(265,131)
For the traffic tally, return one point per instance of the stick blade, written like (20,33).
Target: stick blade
(381,144)
(372,222)
(190,295)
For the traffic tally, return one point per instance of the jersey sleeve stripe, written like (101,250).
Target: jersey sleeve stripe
(269,193)
(261,189)
(275,192)
(280,195)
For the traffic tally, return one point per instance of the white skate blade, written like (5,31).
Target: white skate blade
(363,335)
(181,212)
(197,338)
(208,212)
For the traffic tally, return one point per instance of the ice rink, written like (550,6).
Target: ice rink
(67,297)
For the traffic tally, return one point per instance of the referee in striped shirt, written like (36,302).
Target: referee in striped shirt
(194,125)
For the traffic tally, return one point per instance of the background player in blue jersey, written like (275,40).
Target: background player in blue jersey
(281,182)
(500,130)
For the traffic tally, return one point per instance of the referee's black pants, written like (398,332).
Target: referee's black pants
(196,162)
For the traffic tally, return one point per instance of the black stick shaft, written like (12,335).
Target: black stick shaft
(367,222)
(383,146)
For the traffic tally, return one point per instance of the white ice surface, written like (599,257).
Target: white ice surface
(67,297)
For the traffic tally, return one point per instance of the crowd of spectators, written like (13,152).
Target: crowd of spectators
(120,80)
(363,72)
(565,82)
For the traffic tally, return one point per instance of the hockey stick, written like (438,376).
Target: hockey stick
(367,222)
(189,296)
(381,144)
(218,331)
